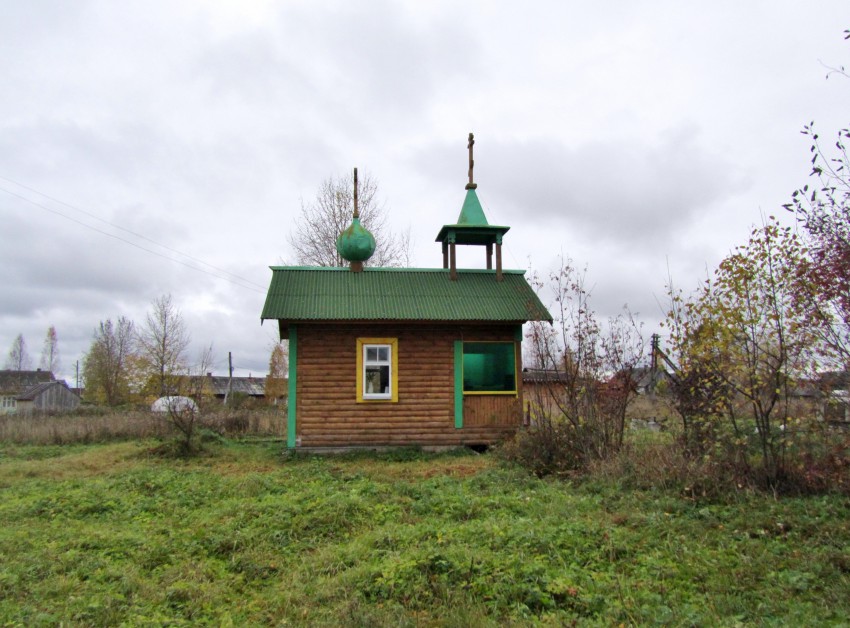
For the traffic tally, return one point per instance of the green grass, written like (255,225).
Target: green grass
(108,535)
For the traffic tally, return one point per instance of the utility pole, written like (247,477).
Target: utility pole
(230,380)
(655,346)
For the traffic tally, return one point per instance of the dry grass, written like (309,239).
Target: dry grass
(83,463)
(87,427)
(93,425)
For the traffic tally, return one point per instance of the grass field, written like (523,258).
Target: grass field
(111,534)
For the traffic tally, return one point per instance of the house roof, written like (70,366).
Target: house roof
(400,294)
(17,382)
(31,393)
(834,380)
(542,376)
(253,386)
(646,377)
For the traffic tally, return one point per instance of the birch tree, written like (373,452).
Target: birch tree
(19,359)
(276,380)
(163,341)
(50,352)
(105,366)
(330,213)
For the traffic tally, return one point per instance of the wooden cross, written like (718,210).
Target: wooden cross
(471,185)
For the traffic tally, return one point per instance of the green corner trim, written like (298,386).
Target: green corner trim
(292,399)
(458,384)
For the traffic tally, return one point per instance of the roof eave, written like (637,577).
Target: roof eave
(487,231)
(404,321)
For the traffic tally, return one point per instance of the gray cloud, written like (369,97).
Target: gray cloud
(622,138)
(631,193)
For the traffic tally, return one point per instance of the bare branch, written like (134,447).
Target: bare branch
(330,213)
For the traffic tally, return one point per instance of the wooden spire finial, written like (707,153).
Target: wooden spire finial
(471,185)
(356,210)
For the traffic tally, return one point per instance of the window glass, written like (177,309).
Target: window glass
(377,380)
(489,367)
(377,372)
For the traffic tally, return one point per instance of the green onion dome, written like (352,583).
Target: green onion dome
(355,244)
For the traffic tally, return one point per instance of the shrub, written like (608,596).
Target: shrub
(818,463)
(584,380)
(548,447)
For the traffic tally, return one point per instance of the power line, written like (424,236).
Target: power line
(219,274)
(119,227)
(504,246)
(133,244)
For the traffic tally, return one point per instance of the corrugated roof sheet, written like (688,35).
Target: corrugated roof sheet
(16,382)
(220,384)
(307,293)
(35,391)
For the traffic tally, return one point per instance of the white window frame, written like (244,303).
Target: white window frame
(388,363)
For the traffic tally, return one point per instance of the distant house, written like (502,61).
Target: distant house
(649,380)
(539,391)
(405,356)
(546,390)
(53,396)
(220,386)
(24,392)
(827,396)
(834,387)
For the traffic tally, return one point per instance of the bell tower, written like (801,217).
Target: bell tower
(471,228)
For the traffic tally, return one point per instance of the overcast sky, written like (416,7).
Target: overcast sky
(161,147)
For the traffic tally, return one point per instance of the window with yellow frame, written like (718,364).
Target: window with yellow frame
(377,369)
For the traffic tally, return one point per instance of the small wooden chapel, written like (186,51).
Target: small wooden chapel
(405,356)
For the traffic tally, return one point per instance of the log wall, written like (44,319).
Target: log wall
(327,411)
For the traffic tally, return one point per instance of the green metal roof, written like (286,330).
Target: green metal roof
(466,234)
(471,213)
(472,226)
(400,294)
